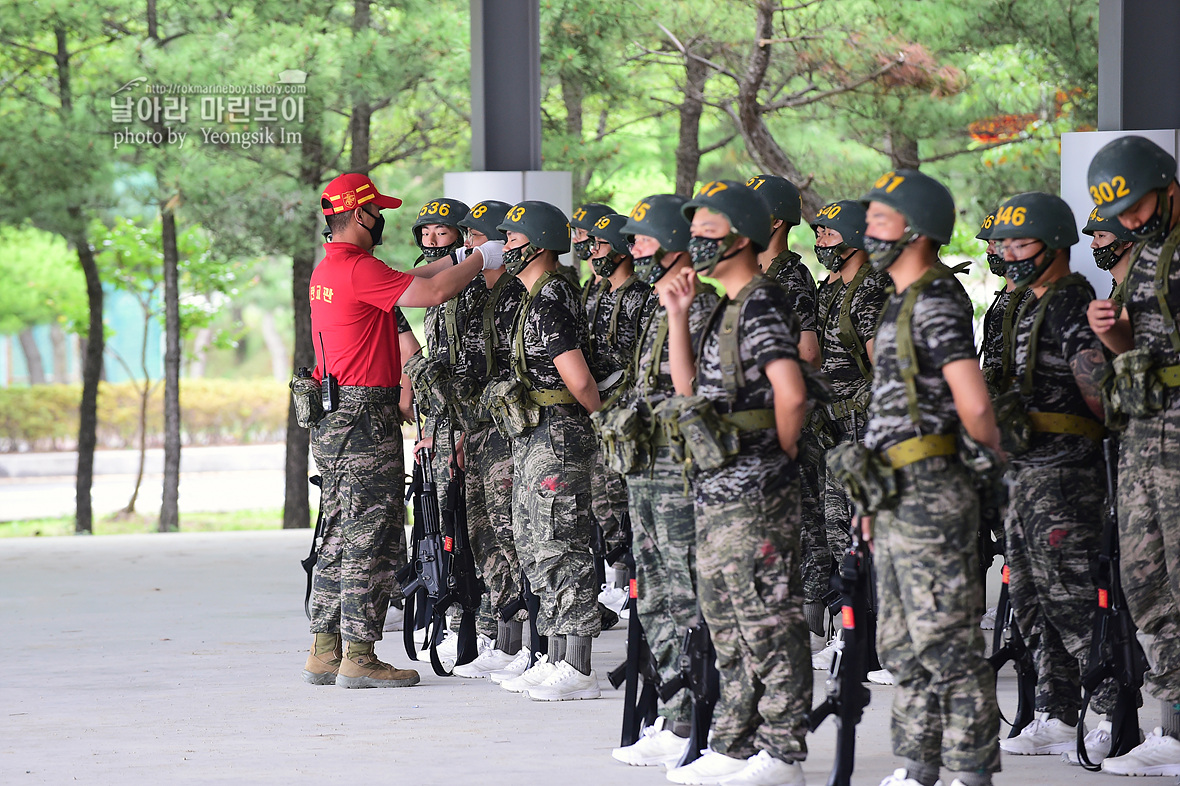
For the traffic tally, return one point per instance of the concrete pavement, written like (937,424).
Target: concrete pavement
(148,659)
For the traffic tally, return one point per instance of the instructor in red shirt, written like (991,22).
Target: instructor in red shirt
(358,445)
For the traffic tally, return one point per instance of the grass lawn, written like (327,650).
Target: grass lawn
(110,525)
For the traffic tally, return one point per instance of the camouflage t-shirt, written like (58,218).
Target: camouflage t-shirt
(499,308)
(553,324)
(767,330)
(652,373)
(1064,333)
(468,308)
(1148,323)
(793,276)
(403,324)
(590,294)
(613,350)
(864,310)
(942,334)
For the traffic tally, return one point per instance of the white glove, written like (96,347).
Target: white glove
(460,253)
(493,254)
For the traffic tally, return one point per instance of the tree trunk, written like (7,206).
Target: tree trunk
(91,374)
(358,123)
(280,358)
(296,512)
(33,362)
(170,500)
(903,151)
(196,368)
(572,97)
(57,337)
(688,150)
(760,144)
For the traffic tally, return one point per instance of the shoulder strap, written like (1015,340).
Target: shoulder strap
(1163,267)
(845,331)
(491,340)
(617,309)
(907,353)
(451,327)
(1007,328)
(718,309)
(520,366)
(733,376)
(1042,305)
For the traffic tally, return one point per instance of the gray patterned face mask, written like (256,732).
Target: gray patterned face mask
(883,253)
(830,256)
(517,259)
(706,252)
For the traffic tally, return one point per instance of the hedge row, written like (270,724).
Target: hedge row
(213,411)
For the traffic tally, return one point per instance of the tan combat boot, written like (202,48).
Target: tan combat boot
(324,660)
(361,669)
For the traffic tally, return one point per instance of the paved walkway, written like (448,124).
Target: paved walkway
(149,659)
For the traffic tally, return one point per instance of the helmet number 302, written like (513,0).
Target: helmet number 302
(1105,191)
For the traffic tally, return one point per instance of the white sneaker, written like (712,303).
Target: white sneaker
(900,778)
(1043,736)
(765,770)
(513,669)
(535,675)
(1158,755)
(394,619)
(488,661)
(822,660)
(566,683)
(655,747)
(1097,745)
(989,619)
(614,598)
(880,677)
(710,768)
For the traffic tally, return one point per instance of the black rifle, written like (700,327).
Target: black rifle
(424,579)
(698,673)
(1008,645)
(309,562)
(846,694)
(639,708)
(1114,649)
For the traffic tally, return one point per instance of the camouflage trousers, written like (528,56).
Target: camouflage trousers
(551,522)
(358,451)
(608,499)
(816,564)
(751,593)
(1149,541)
(664,545)
(489,517)
(1053,530)
(440,461)
(930,598)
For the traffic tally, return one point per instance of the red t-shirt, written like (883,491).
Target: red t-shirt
(352,298)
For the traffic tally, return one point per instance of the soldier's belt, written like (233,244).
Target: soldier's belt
(917,448)
(842,410)
(366,394)
(549,398)
(1061,423)
(751,419)
(1169,375)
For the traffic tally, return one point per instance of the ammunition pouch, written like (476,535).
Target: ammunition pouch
(868,479)
(819,426)
(624,437)
(309,407)
(667,417)
(509,404)
(713,440)
(1140,387)
(1013,421)
(432,384)
(985,463)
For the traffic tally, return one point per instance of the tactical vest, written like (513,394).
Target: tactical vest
(846,331)
(491,338)
(540,396)
(733,376)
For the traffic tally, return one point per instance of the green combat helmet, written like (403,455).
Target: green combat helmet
(1044,217)
(543,224)
(927,205)
(1123,172)
(448,212)
(1106,257)
(995,260)
(585,217)
(846,217)
(657,216)
(748,215)
(782,197)
(485,216)
(610,229)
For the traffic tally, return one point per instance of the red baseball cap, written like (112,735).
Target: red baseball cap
(353,190)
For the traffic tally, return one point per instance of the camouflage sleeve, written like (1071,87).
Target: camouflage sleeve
(555,314)
(403,324)
(699,312)
(769,329)
(803,297)
(942,317)
(1066,318)
(867,304)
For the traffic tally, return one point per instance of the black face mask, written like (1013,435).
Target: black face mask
(996,264)
(651,268)
(706,252)
(607,265)
(1024,272)
(1106,257)
(438,252)
(830,256)
(517,259)
(584,248)
(1158,223)
(377,228)
(883,253)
